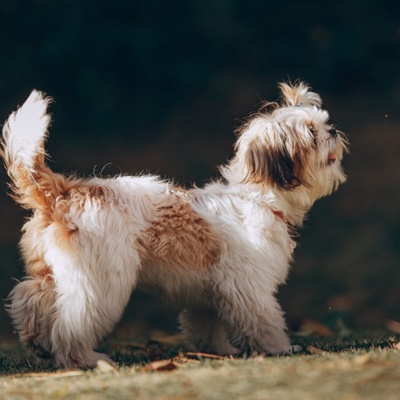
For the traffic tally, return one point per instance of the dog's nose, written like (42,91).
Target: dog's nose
(332,132)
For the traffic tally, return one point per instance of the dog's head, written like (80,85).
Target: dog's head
(290,145)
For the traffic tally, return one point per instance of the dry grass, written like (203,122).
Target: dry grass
(360,367)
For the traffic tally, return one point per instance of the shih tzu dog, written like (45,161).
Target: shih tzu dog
(219,251)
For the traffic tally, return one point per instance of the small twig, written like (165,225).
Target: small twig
(204,355)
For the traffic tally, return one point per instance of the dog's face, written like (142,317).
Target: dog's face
(293,147)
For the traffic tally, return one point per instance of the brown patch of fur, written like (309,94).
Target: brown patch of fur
(32,243)
(35,190)
(271,165)
(275,163)
(52,196)
(81,193)
(41,195)
(31,246)
(179,237)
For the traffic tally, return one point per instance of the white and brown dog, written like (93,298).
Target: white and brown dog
(220,251)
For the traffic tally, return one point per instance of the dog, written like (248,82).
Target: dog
(220,251)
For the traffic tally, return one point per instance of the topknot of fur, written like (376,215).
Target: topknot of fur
(299,94)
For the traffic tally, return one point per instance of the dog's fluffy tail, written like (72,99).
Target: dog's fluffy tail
(22,149)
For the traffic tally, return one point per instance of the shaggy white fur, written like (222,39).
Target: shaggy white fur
(219,251)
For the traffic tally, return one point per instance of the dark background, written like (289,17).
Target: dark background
(160,86)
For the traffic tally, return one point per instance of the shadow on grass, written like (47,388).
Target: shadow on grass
(15,359)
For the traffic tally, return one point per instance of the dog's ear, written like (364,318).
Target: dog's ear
(269,159)
(270,165)
(298,94)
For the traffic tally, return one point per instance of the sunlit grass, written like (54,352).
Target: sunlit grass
(362,366)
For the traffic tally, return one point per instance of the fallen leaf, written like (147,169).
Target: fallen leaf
(50,375)
(183,360)
(163,365)
(310,327)
(204,355)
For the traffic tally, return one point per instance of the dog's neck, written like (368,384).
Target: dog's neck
(293,204)
(292,230)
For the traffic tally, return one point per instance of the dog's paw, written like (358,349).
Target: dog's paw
(93,359)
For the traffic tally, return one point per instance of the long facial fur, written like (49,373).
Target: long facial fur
(220,252)
(289,146)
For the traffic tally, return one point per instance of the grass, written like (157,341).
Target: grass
(362,366)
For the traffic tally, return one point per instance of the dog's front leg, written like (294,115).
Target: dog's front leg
(252,315)
(204,331)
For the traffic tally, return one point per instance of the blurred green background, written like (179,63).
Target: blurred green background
(160,86)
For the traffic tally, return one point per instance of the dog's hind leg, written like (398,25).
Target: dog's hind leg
(88,308)
(32,309)
(92,292)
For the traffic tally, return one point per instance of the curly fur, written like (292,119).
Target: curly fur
(219,251)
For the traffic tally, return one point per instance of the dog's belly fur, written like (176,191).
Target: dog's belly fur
(180,288)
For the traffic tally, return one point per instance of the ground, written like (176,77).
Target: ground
(360,366)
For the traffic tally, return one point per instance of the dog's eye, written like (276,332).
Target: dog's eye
(333,132)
